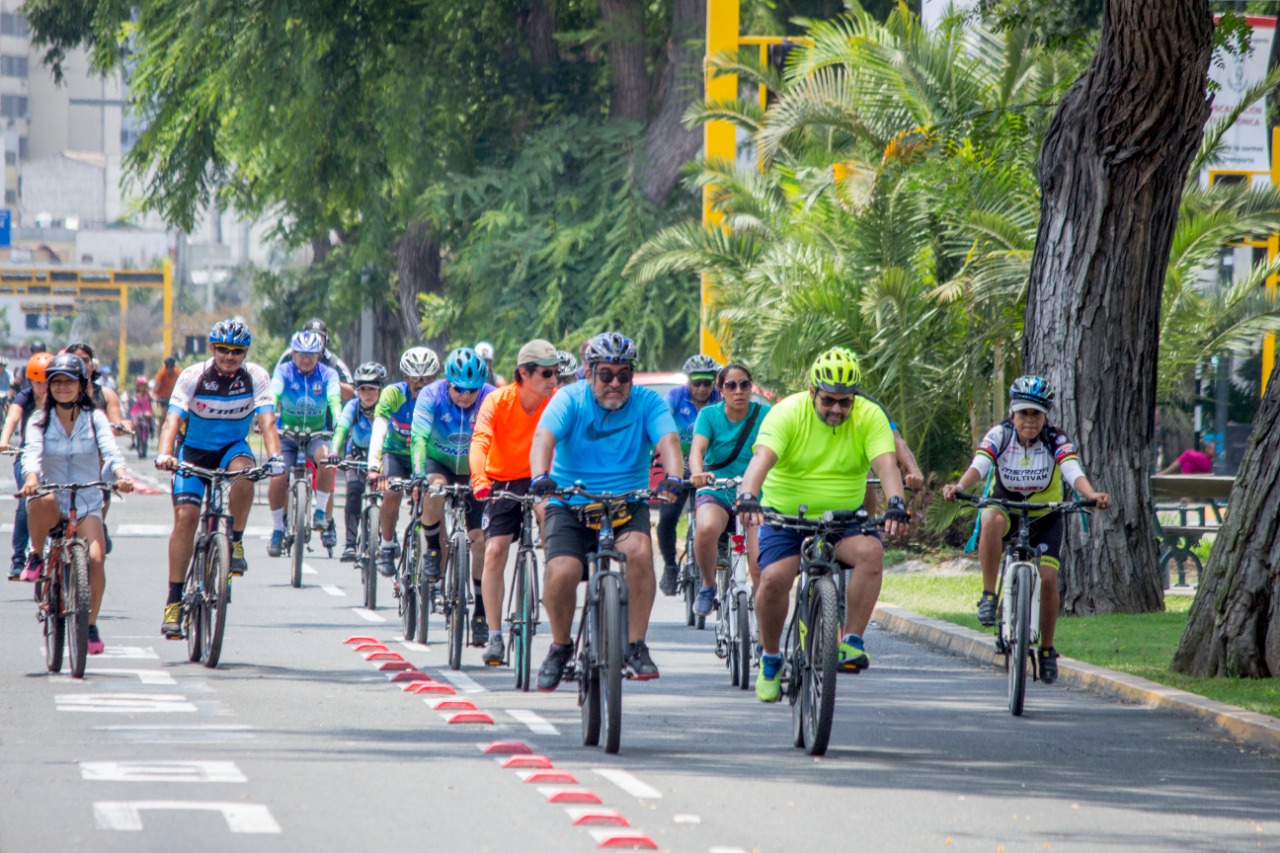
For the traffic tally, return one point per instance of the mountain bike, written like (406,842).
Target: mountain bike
(297,526)
(413,591)
(142,430)
(62,595)
(1018,591)
(522,597)
(812,646)
(206,589)
(367,538)
(688,578)
(455,602)
(735,604)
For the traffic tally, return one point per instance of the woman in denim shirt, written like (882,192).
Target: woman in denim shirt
(70,441)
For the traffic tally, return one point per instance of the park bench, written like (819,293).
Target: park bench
(1199,501)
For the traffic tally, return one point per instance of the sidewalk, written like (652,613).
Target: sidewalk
(1247,728)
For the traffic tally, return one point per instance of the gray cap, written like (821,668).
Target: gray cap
(539,352)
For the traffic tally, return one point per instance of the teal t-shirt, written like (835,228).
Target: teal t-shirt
(722,434)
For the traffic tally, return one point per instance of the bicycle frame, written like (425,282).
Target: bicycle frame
(526,554)
(69,617)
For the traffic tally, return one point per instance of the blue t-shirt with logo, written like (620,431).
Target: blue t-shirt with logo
(685,411)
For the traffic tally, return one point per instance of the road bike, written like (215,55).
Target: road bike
(812,649)
(1018,591)
(62,595)
(456,600)
(522,598)
(735,604)
(367,538)
(297,525)
(600,644)
(688,578)
(414,593)
(206,589)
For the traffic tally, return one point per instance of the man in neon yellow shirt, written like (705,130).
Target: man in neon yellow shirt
(815,448)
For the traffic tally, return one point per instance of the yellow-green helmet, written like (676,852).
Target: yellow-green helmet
(837,371)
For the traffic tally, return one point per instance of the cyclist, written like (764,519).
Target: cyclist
(103,397)
(328,358)
(1031,458)
(70,441)
(444,417)
(685,402)
(140,409)
(602,433)
(389,450)
(568,368)
(165,378)
(484,349)
(217,401)
(500,460)
(723,437)
(351,439)
(25,404)
(815,448)
(308,399)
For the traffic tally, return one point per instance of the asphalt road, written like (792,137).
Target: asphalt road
(295,742)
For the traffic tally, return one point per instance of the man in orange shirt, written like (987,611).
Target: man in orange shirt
(500,461)
(166,378)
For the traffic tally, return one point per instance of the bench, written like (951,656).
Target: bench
(1201,501)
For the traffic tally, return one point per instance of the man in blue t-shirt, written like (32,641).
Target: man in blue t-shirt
(601,433)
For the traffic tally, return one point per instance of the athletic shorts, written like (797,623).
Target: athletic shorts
(397,465)
(1046,536)
(474,510)
(715,499)
(563,535)
(779,543)
(503,516)
(289,450)
(189,489)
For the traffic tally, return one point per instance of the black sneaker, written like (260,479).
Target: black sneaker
(987,609)
(15,571)
(1048,665)
(329,536)
(431,567)
(638,664)
(348,554)
(479,631)
(386,562)
(668,582)
(552,669)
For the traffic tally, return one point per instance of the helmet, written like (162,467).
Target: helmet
(464,369)
(140,381)
(484,349)
(170,361)
(701,364)
(1030,392)
(315,324)
(837,371)
(568,364)
(369,373)
(419,363)
(106,370)
(36,366)
(231,332)
(307,343)
(68,364)
(610,347)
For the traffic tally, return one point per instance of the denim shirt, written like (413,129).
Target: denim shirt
(81,457)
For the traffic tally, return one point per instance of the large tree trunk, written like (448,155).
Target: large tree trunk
(623,25)
(418,267)
(1234,628)
(667,144)
(1112,168)
(538,23)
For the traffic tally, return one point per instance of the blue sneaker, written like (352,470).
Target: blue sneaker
(769,679)
(853,658)
(276,547)
(318,520)
(706,601)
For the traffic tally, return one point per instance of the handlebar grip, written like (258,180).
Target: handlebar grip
(1090,502)
(964,496)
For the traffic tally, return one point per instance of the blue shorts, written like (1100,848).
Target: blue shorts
(190,490)
(779,543)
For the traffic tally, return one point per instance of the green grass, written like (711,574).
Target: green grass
(1140,645)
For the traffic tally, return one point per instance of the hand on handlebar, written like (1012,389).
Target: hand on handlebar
(542,485)
(749,510)
(668,488)
(706,478)
(481,493)
(124,483)
(949,492)
(896,517)
(30,485)
(166,462)
(274,466)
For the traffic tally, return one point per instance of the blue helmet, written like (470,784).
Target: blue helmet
(610,348)
(464,369)
(308,343)
(1030,392)
(230,332)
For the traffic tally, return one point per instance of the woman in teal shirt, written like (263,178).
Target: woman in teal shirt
(723,437)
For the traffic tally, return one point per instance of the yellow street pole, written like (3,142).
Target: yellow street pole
(123,364)
(168,310)
(1273,248)
(720,139)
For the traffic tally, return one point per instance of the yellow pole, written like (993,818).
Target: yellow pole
(168,310)
(123,364)
(720,140)
(1273,248)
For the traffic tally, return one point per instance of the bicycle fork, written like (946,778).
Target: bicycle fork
(1008,616)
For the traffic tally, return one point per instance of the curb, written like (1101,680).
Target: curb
(1247,728)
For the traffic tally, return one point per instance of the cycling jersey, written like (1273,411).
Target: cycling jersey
(685,412)
(328,359)
(392,423)
(503,436)
(607,451)
(306,402)
(441,429)
(821,466)
(354,429)
(1028,472)
(218,409)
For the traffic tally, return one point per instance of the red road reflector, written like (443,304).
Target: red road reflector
(549,777)
(396,665)
(505,747)
(349,640)
(450,704)
(410,675)
(614,840)
(383,655)
(431,687)
(570,795)
(587,816)
(465,717)
(540,762)
(370,647)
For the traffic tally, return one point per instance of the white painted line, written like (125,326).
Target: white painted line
(307,570)
(125,703)
(628,783)
(367,615)
(463,682)
(687,818)
(725,850)
(146,676)
(332,590)
(162,734)
(161,771)
(414,647)
(129,652)
(536,724)
(240,817)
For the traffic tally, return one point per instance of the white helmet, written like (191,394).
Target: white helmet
(484,349)
(419,363)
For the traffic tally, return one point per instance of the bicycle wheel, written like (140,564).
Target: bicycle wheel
(524,595)
(75,594)
(217,595)
(455,604)
(796,676)
(1020,638)
(298,513)
(818,698)
(689,568)
(366,553)
(142,438)
(610,662)
(55,632)
(741,649)
(589,675)
(193,604)
(426,591)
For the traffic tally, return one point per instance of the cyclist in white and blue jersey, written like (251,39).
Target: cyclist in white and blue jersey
(217,401)
(351,440)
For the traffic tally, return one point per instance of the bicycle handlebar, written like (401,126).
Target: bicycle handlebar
(304,436)
(223,473)
(48,488)
(1025,506)
(502,494)
(441,489)
(829,522)
(349,464)
(604,497)
(119,427)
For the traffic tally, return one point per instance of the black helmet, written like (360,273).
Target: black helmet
(68,364)
(315,324)
(170,361)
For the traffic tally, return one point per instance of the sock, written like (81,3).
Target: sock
(322,500)
(433,537)
(175,592)
(277,519)
(237,535)
(853,640)
(493,634)
(770,664)
(479,600)
(387,543)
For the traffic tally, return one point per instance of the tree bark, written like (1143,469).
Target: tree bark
(418,267)
(1112,169)
(667,144)
(1234,627)
(538,23)
(623,23)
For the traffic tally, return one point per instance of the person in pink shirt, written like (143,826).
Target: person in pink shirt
(1192,461)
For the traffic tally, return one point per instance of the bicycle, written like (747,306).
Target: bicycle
(811,652)
(297,526)
(600,643)
(367,538)
(62,595)
(735,605)
(523,599)
(413,592)
(456,600)
(206,589)
(1019,626)
(142,431)
(688,578)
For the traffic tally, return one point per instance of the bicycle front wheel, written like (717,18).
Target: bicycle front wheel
(55,631)
(193,605)
(741,648)
(455,598)
(526,598)
(818,697)
(217,595)
(75,594)
(366,555)
(298,514)
(609,640)
(1020,638)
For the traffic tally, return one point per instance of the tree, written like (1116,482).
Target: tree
(1112,169)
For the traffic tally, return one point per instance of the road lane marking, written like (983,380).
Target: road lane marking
(367,615)
(127,652)
(628,783)
(414,647)
(307,570)
(146,676)
(463,682)
(196,734)
(332,590)
(127,816)
(125,703)
(161,771)
(536,724)
(687,818)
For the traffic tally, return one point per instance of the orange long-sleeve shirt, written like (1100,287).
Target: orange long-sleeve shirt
(502,438)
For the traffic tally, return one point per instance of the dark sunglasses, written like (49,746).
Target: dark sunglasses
(622,377)
(701,383)
(221,350)
(834,403)
(545,372)
(462,390)
(732,385)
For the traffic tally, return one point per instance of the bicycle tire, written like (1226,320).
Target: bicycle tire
(75,592)
(193,604)
(408,593)
(589,676)
(525,594)
(796,677)
(819,696)
(424,586)
(1020,640)
(298,513)
(611,634)
(55,630)
(455,604)
(366,551)
(217,595)
(742,642)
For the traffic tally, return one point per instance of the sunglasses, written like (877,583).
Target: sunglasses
(462,390)
(834,402)
(733,385)
(701,383)
(622,377)
(221,350)
(545,372)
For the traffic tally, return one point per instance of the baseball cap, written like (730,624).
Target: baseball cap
(1019,405)
(539,352)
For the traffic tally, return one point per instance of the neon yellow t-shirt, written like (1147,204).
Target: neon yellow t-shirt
(820,466)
